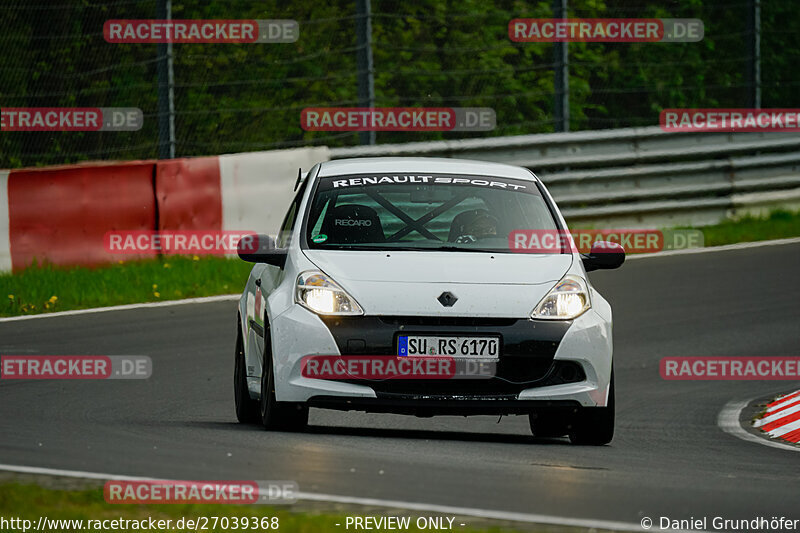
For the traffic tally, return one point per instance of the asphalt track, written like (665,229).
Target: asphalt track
(668,458)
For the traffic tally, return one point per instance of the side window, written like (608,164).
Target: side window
(286,228)
(291,217)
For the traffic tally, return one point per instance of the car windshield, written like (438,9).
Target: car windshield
(423,212)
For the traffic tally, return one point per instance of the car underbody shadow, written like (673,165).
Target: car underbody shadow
(425,434)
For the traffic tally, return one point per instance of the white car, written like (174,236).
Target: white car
(410,257)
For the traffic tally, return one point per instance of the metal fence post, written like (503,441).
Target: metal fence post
(166,82)
(561,71)
(366,82)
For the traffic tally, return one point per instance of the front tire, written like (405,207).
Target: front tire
(595,425)
(275,415)
(246,407)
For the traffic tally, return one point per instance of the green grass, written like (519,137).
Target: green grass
(29,502)
(778,225)
(44,289)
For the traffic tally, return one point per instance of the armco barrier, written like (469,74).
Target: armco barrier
(639,177)
(61,214)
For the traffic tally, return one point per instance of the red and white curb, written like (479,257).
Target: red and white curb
(782,418)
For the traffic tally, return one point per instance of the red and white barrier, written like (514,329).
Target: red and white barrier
(61,214)
(782,418)
(5,234)
(188,194)
(235,192)
(256,188)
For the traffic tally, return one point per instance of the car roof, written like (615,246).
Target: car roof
(427,165)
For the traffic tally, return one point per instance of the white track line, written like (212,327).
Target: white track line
(478,513)
(168,303)
(413,506)
(69,473)
(723,248)
(728,421)
(231,297)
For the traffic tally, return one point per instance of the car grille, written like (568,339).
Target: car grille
(457,321)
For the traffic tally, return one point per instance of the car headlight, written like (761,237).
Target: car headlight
(319,293)
(568,299)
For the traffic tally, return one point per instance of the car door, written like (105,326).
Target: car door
(265,279)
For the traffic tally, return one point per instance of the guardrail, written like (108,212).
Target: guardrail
(639,177)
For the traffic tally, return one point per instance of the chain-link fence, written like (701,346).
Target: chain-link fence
(245,97)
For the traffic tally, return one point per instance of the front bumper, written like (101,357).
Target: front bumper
(543,364)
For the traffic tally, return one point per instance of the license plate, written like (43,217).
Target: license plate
(467,347)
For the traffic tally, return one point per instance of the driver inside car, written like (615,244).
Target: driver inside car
(481,226)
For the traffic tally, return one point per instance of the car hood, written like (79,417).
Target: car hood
(410,283)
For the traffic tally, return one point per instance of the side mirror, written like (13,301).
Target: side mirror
(603,255)
(261,249)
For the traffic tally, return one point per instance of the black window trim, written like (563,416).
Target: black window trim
(296,201)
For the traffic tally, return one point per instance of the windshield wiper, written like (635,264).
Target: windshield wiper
(445,249)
